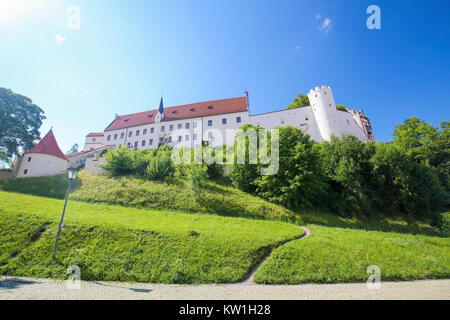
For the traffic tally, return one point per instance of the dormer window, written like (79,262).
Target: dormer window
(174,112)
(210,107)
(192,109)
(150,116)
(126,120)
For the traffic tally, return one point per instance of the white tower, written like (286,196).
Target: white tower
(324,109)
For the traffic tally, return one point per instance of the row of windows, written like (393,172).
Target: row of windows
(171,127)
(161,140)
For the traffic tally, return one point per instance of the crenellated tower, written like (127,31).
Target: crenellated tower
(324,109)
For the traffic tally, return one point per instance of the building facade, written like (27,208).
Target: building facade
(216,122)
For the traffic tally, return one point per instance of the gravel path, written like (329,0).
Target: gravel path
(23,288)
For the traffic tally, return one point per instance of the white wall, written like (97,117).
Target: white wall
(93,143)
(302,118)
(38,165)
(94,166)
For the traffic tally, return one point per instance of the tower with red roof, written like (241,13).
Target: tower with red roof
(44,159)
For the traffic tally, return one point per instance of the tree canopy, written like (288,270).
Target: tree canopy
(20,121)
(300,101)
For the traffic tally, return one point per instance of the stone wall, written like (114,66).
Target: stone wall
(6,174)
(94,166)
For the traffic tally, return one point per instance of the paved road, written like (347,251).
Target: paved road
(23,288)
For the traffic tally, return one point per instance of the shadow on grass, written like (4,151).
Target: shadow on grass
(375,224)
(51,187)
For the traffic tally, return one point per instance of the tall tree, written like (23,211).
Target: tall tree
(301,101)
(20,121)
(74,148)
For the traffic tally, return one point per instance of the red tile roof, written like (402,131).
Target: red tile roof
(95,134)
(193,110)
(48,145)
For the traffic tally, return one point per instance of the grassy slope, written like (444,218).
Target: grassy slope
(343,255)
(331,255)
(126,244)
(216,198)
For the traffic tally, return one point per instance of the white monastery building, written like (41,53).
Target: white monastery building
(190,124)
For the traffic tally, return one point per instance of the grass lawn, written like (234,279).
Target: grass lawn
(217,197)
(342,255)
(114,243)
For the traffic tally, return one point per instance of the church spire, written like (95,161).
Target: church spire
(161,106)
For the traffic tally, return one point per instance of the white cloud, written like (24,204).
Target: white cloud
(318,16)
(59,38)
(326,25)
(297,48)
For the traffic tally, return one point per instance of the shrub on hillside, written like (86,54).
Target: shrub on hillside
(160,167)
(443,224)
(119,161)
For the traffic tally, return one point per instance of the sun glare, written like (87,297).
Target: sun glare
(14,10)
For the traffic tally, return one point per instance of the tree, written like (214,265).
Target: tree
(341,107)
(426,144)
(301,101)
(20,121)
(74,149)
(244,175)
(346,163)
(405,186)
(299,183)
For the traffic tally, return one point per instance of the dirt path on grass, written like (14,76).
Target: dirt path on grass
(32,289)
(250,279)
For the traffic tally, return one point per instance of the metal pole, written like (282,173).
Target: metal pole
(62,219)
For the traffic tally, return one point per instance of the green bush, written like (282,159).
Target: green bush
(442,222)
(160,167)
(119,161)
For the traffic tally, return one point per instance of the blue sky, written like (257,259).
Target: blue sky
(127,52)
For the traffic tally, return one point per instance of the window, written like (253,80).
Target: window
(152,130)
(109,138)
(29,159)
(179,138)
(136,145)
(170,139)
(187,125)
(93,139)
(224,121)
(143,143)
(180,126)
(115,136)
(25,171)
(348,122)
(150,142)
(209,123)
(194,136)
(171,127)
(195,124)
(163,128)
(238,119)
(186,137)
(130,134)
(122,135)
(210,107)
(145,131)
(210,135)
(129,145)
(161,140)
(137,132)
